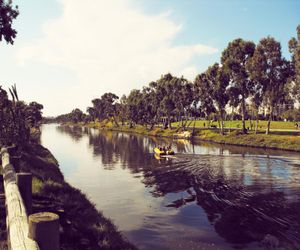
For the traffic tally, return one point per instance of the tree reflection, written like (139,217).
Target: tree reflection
(241,196)
(75,132)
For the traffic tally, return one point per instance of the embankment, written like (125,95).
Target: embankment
(81,225)
(276,140)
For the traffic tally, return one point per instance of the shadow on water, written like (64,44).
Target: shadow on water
(249,196)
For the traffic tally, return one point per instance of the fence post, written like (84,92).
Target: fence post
(24,182)
(44,229)
(16,217)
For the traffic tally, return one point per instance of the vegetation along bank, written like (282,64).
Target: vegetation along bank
(280,138)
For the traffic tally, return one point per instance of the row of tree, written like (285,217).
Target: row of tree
(250,76)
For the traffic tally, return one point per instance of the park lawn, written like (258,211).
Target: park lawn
(262,125)
(274,141)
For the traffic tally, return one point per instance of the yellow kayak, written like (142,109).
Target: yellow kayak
(160,151)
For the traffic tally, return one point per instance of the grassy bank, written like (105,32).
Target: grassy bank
(262,125)
(284,140)
(81,225)
(272,141)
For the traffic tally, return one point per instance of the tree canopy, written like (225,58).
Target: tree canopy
(7,14)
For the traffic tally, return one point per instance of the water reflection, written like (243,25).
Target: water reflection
(208,196)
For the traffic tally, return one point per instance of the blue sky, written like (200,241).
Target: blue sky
(69,51)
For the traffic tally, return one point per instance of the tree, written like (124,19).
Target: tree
(77,115)
(109,104)
(214,83)
(174,97)
(234,59)
(98,107)
(134,106)
(183,98)
(202,96)
(34,113)
(149,106)
(92,113)
(164,92)
(268,68)
(7,14)
(256,101)
(294,47)
(121,109)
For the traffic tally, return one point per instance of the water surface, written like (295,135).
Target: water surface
(207,196)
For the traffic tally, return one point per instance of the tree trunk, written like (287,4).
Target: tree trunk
(209,122)
(269,121)
(115,121)
(182,121)
(221,124)
(243,115)
(152,126)
(169,122)
(256,123)
(194,126)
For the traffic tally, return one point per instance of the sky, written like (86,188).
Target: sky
(68,52)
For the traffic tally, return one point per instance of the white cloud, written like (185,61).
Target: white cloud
(110,46)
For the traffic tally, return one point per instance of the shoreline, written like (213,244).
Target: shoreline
(82,226)
(274,140)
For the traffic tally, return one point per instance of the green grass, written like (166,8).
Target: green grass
(275,141)
(36,185)
(262,125)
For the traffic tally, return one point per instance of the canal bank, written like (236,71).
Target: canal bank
(282,140)
(82,226)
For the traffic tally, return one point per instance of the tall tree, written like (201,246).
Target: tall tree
(109,103)
(77,115)
(235,58)
(98,107)
(202,96)
(134,106)
(164,90)
(121,109)
(214,83)
(294,47)
(175,97)
(149,106)
(183,97)
(269,68)
(92,113)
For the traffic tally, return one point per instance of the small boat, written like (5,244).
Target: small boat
(160,151)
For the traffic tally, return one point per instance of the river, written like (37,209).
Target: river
(207,196)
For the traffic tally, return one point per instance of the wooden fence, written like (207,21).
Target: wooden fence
(38,231)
